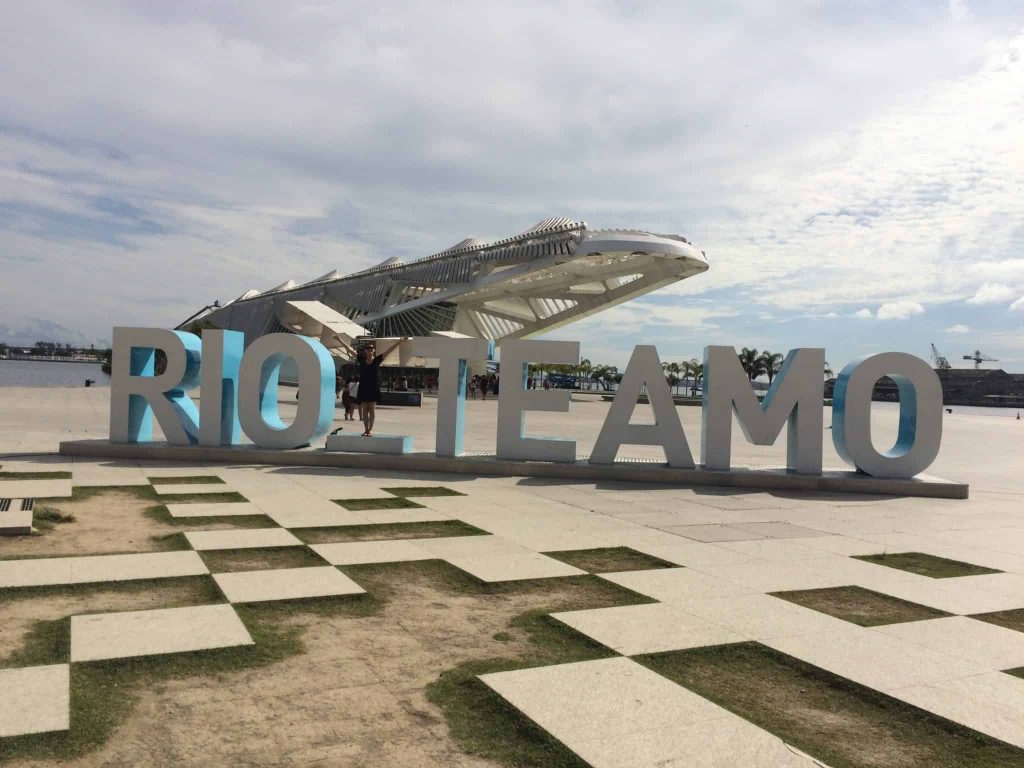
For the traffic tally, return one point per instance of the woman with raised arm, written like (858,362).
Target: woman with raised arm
(369,382)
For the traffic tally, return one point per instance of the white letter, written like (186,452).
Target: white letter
(795,396)
(644,369)
(514,400)
(136,393)
(452,355)
(920,430)
(257,390)
(218,382)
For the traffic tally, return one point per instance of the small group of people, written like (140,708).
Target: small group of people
(484,384)
(363,391)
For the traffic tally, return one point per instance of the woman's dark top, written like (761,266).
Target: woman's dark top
(369,381)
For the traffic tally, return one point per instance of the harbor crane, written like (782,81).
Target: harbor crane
(979,357)
(941,361)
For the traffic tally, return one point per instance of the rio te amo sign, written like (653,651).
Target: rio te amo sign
(238,388)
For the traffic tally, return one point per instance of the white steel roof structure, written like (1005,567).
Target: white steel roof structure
(551,274)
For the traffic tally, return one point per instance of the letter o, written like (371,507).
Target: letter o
(920,426)
(258,376)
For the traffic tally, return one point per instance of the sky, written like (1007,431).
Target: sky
(854,171)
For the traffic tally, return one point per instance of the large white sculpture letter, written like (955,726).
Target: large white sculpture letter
(453,355)
(137,393)
(514,400)
(644,370)
(257,394)
(795,396)
(218,381)
(920,429)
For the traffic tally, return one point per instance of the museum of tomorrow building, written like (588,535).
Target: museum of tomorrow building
(552,274)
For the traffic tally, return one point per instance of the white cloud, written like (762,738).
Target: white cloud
(899,310)
(958,328)
(1018,304)
(992,293)
(863,314)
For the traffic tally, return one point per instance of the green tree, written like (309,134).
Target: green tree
(771,364)
(671,371)
(751,362)
(698,376)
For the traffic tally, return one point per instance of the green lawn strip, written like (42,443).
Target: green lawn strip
(103,692)
(387,531)
(260,558)
(927,565)
(159,513)
(1012,619)
(35,475)
(610,560)
(860,606)
(1019,672)
(202,498)
(394,502)
(429,490)
(844,724)
(186,480)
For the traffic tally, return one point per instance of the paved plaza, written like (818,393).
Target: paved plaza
(916,605)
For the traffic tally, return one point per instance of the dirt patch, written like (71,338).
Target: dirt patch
(927,565)
(186,480)
(861,606)
(260,558)
(387,531)
(842,723)
(106,522)
(356,692)
(610,560)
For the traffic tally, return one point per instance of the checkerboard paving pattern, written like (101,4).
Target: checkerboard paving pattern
(730,552)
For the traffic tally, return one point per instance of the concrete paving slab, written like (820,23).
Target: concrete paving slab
(35,699)
(35,489)
(214,509)
(358,552)
(241,538)
(711,533)
(390,516)
(373,444)
(171,489)
(513,567)
(873,659)
(51,571)
(780,530)
(994,647)
(721,743)
(107,472)
(676,586)
(606,699)
(286,584)
(15,521)
(148,633)
(991,703)
(636,629)
(760,616)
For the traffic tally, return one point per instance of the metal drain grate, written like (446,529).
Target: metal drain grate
(26,505)
(5,504)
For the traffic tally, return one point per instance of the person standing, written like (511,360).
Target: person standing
(369,382)
(347,400)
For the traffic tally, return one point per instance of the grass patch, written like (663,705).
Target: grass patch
(46,518)
(860,606)
(1012,619)
(425,490)
(396,502)
(160,514)
(1019,672)
(103,692)
(926,565)
(260,558)
(610,560)
(197,498)
(387,531)
(35,475)
(834,719)
(186,480)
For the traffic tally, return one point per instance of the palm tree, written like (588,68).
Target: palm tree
(698,376)
(585,367)
(751,362)
(829,373)
(771,363)
(671,371)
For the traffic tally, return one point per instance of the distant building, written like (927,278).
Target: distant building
(961,386)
